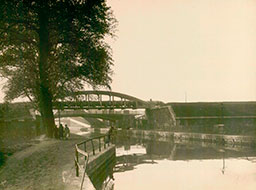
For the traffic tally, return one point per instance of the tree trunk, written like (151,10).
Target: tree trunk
(45,96)
(46,111)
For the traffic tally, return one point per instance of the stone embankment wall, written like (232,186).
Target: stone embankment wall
(230,126)
(101,159)
(179,137)
(161,117)
(237,118)
(101,166)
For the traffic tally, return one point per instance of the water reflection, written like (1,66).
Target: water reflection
(150,164)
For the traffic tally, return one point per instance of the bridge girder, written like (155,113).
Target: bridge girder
(105,116)
(81,100)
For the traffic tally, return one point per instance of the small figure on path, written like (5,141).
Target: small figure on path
(110,132)
(61,130)
(67,132)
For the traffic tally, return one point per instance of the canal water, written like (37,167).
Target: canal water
(148,164)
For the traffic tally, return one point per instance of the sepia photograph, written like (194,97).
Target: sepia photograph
(127,94)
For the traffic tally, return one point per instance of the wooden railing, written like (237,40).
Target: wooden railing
(96,143)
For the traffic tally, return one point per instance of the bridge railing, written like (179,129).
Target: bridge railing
(134,112)
(96,144)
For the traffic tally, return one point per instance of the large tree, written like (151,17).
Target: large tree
(50,47)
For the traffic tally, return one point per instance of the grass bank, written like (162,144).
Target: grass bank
(43,165)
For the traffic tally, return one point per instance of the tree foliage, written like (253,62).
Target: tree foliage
(51,47)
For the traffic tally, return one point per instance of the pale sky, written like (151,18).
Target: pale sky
(166,48)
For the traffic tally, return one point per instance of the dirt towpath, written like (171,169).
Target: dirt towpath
(42,166)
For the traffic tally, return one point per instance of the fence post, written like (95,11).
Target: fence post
(99,145)
(85,149)
(76,162)
(93,151)
(104,142)
(85,146)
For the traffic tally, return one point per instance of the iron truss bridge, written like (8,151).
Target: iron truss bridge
(100,100)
